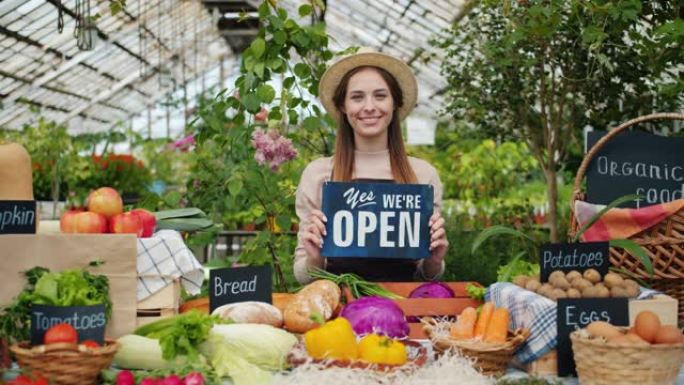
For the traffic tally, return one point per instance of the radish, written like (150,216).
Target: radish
(149,381)
(125,377)
(193,378)
(171,380)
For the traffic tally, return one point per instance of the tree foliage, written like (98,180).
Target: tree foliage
(542,70)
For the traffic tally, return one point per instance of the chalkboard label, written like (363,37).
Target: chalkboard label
(239,284)
(577,313)
(89,321)
(651,166)
(17,217)
(379,220)
(573,256)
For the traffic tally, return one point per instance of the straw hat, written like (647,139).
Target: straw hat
(368,57)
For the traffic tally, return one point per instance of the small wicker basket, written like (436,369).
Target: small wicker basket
(490,359)
(602,363)
(66,364)
(664,242)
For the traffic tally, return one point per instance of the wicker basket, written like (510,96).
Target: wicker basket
(602,363)
(664,242)
(66,364)
(490,359)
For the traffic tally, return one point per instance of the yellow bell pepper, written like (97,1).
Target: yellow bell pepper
(382,350)
(335,339)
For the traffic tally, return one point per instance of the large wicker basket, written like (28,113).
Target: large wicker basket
(664,242)
(490,359)
(66,364)
(602,363)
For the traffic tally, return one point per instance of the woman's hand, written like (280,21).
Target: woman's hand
(438,246)
(313,238)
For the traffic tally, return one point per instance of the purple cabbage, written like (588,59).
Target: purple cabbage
(432,290)
(376,315)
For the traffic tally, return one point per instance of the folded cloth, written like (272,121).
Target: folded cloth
(535,313)
(163,258)
(622,223)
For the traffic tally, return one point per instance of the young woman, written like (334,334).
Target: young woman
(368,94)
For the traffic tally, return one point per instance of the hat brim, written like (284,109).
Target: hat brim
(397,68)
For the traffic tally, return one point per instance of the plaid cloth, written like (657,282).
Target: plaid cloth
(163,258)
(534,312)
(622,223)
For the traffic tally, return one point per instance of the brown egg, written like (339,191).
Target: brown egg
(647,325)
(603,329)
(668,334)
(635,339)
(619,339)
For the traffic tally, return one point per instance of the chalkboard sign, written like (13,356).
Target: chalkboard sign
(17,217)
(577,313)
(239,284)
(636,163)
(573,256)
(379,220)
(89,321)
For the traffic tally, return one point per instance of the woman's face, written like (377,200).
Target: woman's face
(368,104)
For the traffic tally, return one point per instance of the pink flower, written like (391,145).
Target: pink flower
(272,148)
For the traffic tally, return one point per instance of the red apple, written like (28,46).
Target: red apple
(90,223)
(262,115)
(126,223)
(149,221)
(67,223)
(105,201)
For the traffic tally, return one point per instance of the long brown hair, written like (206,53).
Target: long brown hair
(343,165)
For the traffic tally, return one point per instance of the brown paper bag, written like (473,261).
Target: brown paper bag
(58,252)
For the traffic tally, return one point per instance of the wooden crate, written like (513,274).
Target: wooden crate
(433,307)
(161,304)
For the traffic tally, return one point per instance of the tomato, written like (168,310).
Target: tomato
(60,333)
(39,380)
(21,380)
(90,344)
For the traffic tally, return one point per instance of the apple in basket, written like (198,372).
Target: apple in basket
(149,221)
(105,201)
(126,223)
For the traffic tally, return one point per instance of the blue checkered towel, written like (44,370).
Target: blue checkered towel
(163,258)
(534,312)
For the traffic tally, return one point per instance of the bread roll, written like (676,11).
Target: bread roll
(251,312)
(281,300)
(321,297)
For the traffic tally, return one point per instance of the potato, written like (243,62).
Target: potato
(545,290)
(618,292)
(573,293)
(589,292)
(632,287)
(602,292)
(572,275)
(555,275)
(532,285)
(612,280)
(561,283)
(581,284)
(600,285)
(558,294)
(521,280)
(592,275)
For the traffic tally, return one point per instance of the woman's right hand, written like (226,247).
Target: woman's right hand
(313,237)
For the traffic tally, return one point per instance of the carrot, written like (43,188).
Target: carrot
(498,326)
(465,324)
(483,319)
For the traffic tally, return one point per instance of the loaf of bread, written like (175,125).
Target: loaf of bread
(281,300)
(318,298)
(250,313)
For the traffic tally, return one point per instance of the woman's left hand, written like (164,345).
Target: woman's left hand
(438,240)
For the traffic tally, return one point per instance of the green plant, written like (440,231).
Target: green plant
(539,71)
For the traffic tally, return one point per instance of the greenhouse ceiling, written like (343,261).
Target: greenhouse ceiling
(128,62)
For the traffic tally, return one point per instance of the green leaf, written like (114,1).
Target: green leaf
(288,82)
(258,47)
(235,186)
(506,274)
(495,231)
(179,213)
(280,37)
(302,70)
(284,222)
(597,216)
(264,10)
(311,123)
(266,93)
(320,4)
(184,224)
(251,102)
(275,63)
(305,9)
(259,69)
(636,250)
